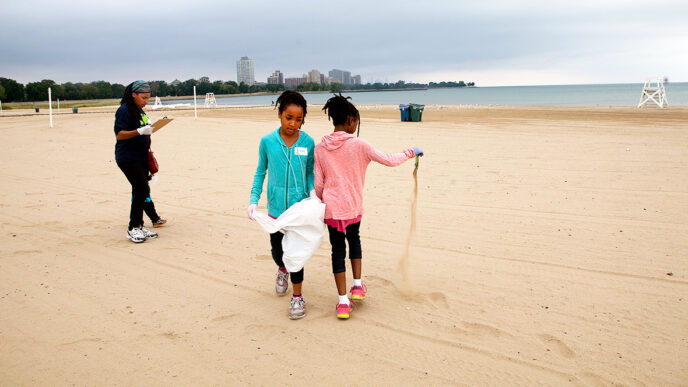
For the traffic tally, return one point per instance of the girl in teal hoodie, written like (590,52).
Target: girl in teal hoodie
(287,156)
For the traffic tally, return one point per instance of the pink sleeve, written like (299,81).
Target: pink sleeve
(388,159)
(318,180)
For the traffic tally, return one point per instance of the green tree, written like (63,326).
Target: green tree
(14,91)
(89,91)
(38,91)
(274,88)
(117,90)
(186,87)
(104,89)
(58,91)
(204,86)
(2,93)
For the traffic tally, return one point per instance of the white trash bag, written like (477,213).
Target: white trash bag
(303,226)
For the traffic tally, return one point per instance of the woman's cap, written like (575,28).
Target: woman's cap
(140,87)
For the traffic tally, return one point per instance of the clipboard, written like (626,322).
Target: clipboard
(157,125)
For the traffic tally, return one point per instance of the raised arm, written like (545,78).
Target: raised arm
(388,159)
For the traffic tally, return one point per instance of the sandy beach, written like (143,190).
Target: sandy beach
(550,248)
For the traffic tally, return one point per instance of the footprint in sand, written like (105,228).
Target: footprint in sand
(223,318)
(20,252)
(373,279)
(556,345)
(483,329)
(439,300)
(263,257)
(170,335)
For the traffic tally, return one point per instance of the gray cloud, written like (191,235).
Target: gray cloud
(587,41)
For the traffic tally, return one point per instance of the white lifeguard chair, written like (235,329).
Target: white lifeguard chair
(654,91)
(210,100)
(157,104)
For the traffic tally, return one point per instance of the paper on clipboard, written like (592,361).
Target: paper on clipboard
(157,125)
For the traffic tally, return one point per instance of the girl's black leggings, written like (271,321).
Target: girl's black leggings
(338,241)
(137,174)
(278,253)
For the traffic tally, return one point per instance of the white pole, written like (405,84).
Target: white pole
(195,111)
(50,106)
(58,105)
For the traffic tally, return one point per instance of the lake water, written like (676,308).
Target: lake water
(560,95)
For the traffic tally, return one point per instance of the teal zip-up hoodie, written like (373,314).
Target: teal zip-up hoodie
(290,171)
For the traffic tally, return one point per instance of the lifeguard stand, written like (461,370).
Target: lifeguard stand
(654,91)
(210,100)
(157,104)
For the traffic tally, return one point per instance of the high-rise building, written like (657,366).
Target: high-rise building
(277,78)
(314,76)
(294,82)
(343,76)
(245,71)
(356,80)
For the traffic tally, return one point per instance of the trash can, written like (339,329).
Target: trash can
(37,109)
(416,112)
(75,110)
(404,108)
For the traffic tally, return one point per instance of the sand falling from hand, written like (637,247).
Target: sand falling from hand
(404,262)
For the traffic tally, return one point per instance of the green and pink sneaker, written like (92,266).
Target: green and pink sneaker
(359,292)
(344,310)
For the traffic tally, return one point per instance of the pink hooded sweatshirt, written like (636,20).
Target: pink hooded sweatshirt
(341,161)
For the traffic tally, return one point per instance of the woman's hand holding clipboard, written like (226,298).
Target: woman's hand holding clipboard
(157,125)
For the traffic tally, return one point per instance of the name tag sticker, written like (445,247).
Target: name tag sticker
(300,151)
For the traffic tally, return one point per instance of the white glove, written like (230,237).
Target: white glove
(251,211)
(145,130)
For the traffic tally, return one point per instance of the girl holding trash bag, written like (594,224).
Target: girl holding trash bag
(133,130)
(287,155)
(341,160)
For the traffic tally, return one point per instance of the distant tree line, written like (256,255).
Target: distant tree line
(13,91)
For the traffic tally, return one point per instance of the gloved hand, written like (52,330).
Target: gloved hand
(145,130)
(251,211)
(417,151)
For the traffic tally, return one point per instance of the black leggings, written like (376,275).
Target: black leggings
(337,240)
(137,174)
(277,253)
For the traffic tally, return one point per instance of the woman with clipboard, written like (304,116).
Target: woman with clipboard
(133,130)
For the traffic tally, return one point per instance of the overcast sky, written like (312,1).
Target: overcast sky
(489,42)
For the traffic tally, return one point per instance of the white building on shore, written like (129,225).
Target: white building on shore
(245,71)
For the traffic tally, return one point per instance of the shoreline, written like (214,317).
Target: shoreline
(430,108)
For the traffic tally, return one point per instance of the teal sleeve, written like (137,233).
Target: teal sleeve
(259,177)
(309,169)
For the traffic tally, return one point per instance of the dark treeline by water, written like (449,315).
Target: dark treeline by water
(13,91)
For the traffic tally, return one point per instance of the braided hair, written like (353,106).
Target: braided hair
(291,97)
(131,105)
(339,109)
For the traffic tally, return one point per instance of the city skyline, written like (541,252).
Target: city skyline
(245,74)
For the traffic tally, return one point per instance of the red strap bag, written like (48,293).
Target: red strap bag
(152,163)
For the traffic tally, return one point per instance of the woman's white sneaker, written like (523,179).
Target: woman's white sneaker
(148,233)
(136,235)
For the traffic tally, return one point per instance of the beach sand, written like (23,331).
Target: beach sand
(550,248)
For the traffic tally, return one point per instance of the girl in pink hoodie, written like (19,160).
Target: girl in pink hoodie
(340,166)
